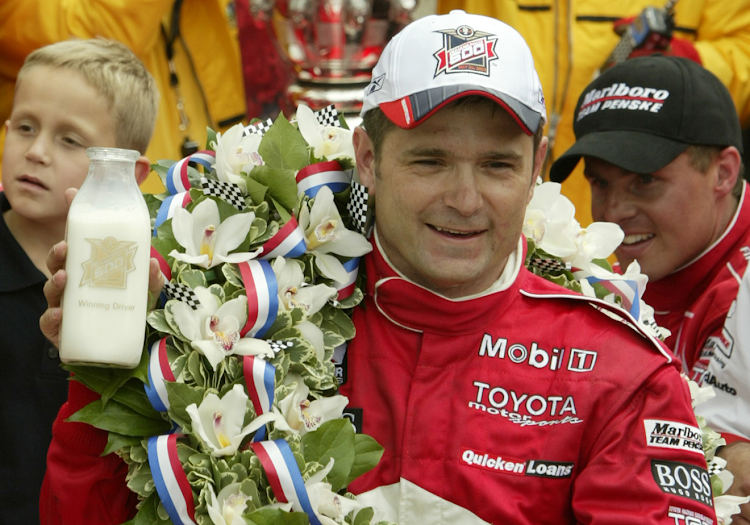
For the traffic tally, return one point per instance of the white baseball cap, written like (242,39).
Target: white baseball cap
(440,58)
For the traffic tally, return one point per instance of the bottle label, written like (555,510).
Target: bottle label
(110,263)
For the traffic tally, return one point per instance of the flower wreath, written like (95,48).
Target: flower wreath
(232,416)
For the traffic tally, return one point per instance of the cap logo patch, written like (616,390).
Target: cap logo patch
(465,51)
(375,85)
(621,96)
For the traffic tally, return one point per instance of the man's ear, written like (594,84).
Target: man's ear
(728,169)
(142,169)
(364,154)
(541,154)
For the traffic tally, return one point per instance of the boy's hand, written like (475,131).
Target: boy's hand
(50,320)
(53,288)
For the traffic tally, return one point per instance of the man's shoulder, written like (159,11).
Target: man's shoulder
(594,321)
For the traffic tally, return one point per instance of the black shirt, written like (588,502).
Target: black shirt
(32,384)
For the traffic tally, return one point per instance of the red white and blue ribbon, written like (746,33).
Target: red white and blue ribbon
(166,271)
(170,480)
(313,177)
(169,206)
(625,288)
(347,288)
(260,381)
(158,372)
(289,241)
(284,476)
(177,175)
(262,292)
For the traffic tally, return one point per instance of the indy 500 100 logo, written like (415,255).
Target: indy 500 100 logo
(466,51)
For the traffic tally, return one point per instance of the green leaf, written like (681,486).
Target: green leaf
(193,278)
(157,320)
(180,397)
(282,211)
(255,190)
(161,168)
(153,204)
(112,387)
(141,480)
(337,321)
(195,367)
(333,439)
(164,231)
(281,184)
(147,513)
(353,300)
(276,517)
(165,245)
(131,394)
(210,137)
(332,339)
(604,263)
(118,418)
(118,441)
(283,146)
(367,455)
(364,516)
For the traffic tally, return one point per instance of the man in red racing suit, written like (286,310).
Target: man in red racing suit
(525,405)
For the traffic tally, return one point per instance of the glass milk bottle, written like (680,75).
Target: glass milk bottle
(108,232)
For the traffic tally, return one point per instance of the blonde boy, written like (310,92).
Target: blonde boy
(69,96)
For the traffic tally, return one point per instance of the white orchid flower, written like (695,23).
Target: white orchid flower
(329,507)
(214,328)
(648,322)
(331,142)
(236,154)
(218,421)
(597,241)
(550,220)
(294,291)
(227,508)
(326,234)
(727,506)
(298,415)
(700,394)
(207,240)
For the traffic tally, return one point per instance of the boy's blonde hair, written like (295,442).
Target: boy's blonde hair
(115,72)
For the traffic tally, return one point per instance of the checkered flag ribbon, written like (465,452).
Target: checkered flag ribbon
(358,207)
(278,346)
(227,191)
(328,116)
(548,265)
(183,293)
(258,127)
(651,323)
(714,468)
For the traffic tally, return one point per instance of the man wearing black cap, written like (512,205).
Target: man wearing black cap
(661,142)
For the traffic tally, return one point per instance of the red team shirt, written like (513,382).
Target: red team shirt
(525,405)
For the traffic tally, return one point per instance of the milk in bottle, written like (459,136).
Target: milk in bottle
(108,233)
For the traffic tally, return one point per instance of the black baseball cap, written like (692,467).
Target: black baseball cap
(642,113)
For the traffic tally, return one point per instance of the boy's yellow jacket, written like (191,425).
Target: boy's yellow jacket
(570,39)
(206,57)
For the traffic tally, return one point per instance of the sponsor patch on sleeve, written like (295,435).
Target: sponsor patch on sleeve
(683,479)
(672,434)
(688,517)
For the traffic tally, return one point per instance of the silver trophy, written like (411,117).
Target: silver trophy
(332,45)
